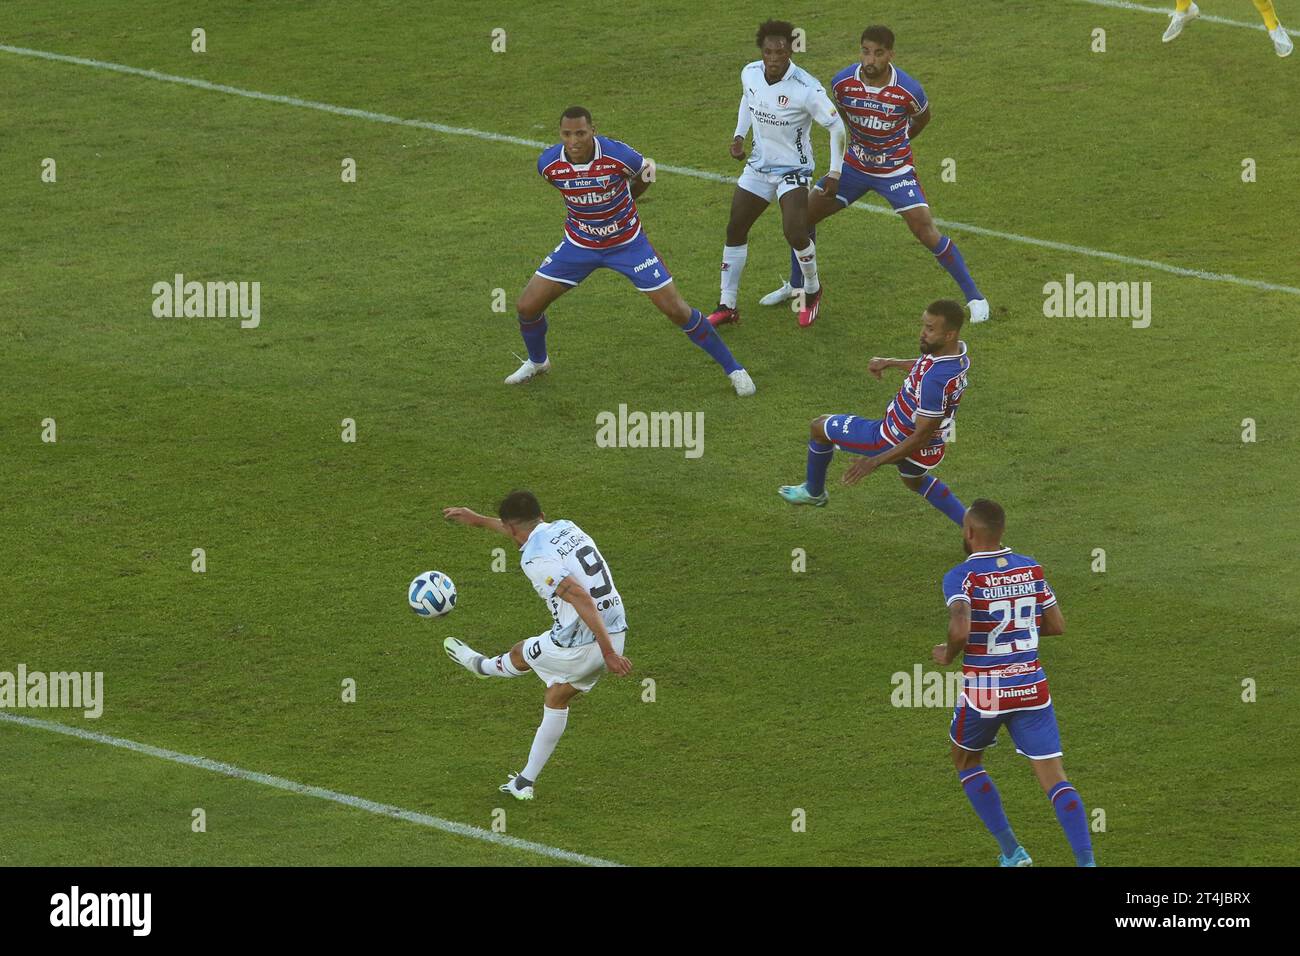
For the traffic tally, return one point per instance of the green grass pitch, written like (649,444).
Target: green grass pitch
(772,687)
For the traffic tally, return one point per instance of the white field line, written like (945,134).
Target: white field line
(680,170)
(1165,11)
(357,803)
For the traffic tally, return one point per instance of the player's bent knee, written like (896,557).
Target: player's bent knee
(818,428)
(517,657)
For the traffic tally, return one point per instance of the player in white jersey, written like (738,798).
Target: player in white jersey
(588,627)
(779,101)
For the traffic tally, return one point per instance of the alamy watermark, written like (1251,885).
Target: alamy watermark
(130,910)
(651,430)
(208,300)
(1084,299)
(924,687)
(72,689)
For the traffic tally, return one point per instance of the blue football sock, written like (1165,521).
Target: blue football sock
(819,459)
(699,331)
(986,800)
(1073,819)
(949,257)
(936,492)
(796,274)
(534,333)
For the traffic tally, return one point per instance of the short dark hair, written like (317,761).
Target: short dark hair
(878,34)
(519,507)
(950,311)
(775,28)
(988,515)
(577,112)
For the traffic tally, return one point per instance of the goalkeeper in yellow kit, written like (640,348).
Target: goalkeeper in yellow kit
(1186,11)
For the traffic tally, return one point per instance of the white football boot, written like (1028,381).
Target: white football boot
(1281,42)
(979,310)
(464,655)
(743,384)
(783,294)
(1180,20)
(519,793)
(528,371)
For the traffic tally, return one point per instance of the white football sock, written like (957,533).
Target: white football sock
(808,266)
(548,735)
(733,264)
(499,666)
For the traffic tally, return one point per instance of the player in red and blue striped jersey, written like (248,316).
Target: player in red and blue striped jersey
(912,435)
(884,109)
(600,180)
(999,603)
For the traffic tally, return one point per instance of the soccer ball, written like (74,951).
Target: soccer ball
(432,594)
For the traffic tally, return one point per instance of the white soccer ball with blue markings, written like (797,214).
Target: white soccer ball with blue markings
(432,594)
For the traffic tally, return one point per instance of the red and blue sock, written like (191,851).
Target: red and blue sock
(534,333)
(699,331)
(949,257)
(984,797)
(1073,819)
(936,492)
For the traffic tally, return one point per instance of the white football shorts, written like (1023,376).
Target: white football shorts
(579,666)
(771,186)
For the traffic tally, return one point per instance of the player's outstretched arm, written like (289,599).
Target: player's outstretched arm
(574,593)
(474,519)
(958,633)
(878,365)
(1053,621)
